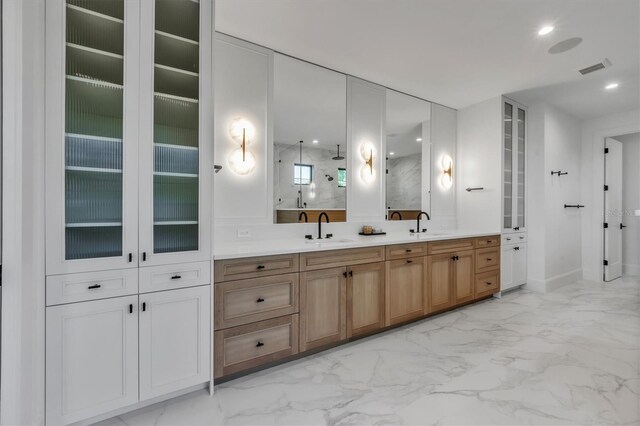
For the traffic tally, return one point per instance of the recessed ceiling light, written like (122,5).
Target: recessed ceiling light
(545,30)
(611,86)
(391,153)
(315,141)
(418,139)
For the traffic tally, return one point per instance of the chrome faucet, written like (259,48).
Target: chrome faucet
(418,230)
(306,218)
(323,214)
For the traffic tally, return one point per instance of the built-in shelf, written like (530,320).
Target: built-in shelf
(175,98)
(95,82)
(178,38)
(92,137)
(80,48)
(176,70)
(93,225)
(170,174)
(92,169)
(173,146)
(176,222)
(95,14)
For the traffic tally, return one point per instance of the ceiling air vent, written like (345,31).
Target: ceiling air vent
(593,68)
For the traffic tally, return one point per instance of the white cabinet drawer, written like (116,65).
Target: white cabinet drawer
(167,277)
(514,238)
(91,286)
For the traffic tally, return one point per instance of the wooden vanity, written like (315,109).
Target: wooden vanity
(273,308)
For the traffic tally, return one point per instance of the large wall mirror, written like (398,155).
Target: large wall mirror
(310,110)
(408,156)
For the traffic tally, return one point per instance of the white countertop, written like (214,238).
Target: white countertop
(239,249)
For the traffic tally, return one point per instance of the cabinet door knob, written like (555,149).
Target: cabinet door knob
(409,261)
(259,344)
(344,274)
(489,259)
(260,267)
(488,283)
(92,287)
(408,250)
(176,277)
(130,308)
(260,299)
(350,273)
(144,306)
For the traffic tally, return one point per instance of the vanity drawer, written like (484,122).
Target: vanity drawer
(491,241)
(336,258)
(168,277)
(514,238)
(403,251)
(91,286)
(487,283)
(257,299)
(253,267)
(252,345)
(487,259)
(449,246)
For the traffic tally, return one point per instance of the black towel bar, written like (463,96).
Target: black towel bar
(575,206)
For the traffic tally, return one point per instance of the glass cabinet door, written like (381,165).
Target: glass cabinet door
(520,200)
(88,142)
(172,139)
(507,220)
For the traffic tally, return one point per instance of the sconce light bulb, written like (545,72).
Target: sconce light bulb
(367,151)
(239,165)
(239,126)
(367,174)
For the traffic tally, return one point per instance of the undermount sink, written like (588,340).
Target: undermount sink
(330,241)
(429,234)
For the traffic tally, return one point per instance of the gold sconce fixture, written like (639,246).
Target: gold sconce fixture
(242,160)
(447,172)
(367,171)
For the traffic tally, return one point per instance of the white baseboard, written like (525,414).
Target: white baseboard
(630,270)
(554,283)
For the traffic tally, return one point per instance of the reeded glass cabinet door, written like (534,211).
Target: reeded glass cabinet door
(91,85)
(514,163)
(174,142)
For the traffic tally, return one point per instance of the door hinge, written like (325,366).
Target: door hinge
(606,150)
(605,262)
(606,187)
(606,225)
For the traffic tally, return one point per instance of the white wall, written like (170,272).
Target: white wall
(536,200)
(631,203)
(592,159)
(562,146)
(479,164)
(444,124)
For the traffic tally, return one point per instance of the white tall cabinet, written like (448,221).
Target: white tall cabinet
(129,136)
(514,160)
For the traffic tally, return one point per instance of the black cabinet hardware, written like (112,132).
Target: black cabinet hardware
(480,188)
(260,299)
(508,239)
(144,306)
(488,283)
(259,344)
(350,273)
(516,248)
(217,168)
(94,286)
(455,258)
(130,257)
(344,274)
(408,250)
(144,256)
(176,277)
(575,206)
(622,226)
(260,267)
(130,308)
(409,261)
(308,237)
(489,259)
(329,236)
(559,173)
(517,228)
(605,262)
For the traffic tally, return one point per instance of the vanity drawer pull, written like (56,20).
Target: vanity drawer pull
(488,283)
(260,267)
(260,299)
(94,286)
(176,277)
(408,250)
(259,344)
(409,261)
(489,259)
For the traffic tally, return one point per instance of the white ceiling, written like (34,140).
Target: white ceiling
(457,52)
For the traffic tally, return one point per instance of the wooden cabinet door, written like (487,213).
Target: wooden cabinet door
(323,307)
(92,358)
(440,283)
(464,276)
(365,298)
(404,298)
(174,340)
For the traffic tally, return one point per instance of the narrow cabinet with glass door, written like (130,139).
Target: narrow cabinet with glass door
(514,133)
(92,132)
(175,132)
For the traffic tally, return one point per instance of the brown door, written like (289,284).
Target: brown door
(440,284)
(323,299)
(365,298)
(463,276)
(404,289)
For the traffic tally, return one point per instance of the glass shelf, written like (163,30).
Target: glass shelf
(176,52)
(95,30)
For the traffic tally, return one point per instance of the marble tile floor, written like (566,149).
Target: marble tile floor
(562,358)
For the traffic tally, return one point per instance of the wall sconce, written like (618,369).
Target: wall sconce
(367,153)
(242,160)
(447,172)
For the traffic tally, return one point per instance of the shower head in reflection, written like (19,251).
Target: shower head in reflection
(338,156)
(329,177)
